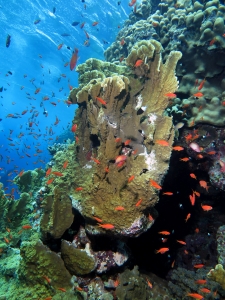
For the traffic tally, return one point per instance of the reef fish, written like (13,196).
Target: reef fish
(195,295)
(162,250)
(162,142)
(106,226)
(8,40)
(101,100)
(206,207)
(155,184)
(74,59)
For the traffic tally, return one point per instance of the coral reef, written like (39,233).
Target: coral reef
(132,113)
(197,30)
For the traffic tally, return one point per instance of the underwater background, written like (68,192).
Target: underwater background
(112,149)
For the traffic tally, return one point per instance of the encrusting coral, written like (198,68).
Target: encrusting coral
(120,124)
(218,275)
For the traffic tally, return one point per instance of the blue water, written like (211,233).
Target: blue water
(35,62)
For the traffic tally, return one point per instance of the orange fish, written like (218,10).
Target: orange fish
(57,173)
(74,59)
(195,295)
(50,181)
(178,148)
(197,230)
(206,207)
(185,159)
(127,142)
(78,189)
(95,160)
(193,176)
(162,142)
(21,173)
(203,184)
(60,46)
(6,240)
(138,203)
(201,84)
(82,25)
(188,217)
(62,289)
(98,219)
(201,281)
(74,128)
(120,158)
(211,152)
(181,242)
(101,100)
(131,178)
(149,283)
(150,218)
(171,95)
(65,164)
(197,193)
(199,266)
(168,193)
(37,91)
(205,290)
(155,184)
(47,279)
(27,226)
(132,2)
(198,95)
(106,226)
(162,250)
(117,140)
(48,172)
(138,63)
(192,199)
(164,232)
(95,23)
(119,208)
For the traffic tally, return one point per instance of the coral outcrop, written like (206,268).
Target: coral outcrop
(78,261)
(120,125)
(41,267)
(30,180)
(57,214)
(218,275)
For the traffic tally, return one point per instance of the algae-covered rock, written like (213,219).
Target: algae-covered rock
(218,275)
(78,261)
(30,181)
(20,208)
(38,262)
(132,286)
(57,214)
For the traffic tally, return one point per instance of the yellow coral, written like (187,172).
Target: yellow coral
(160,78)
(218,275)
